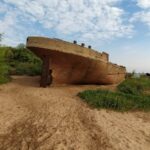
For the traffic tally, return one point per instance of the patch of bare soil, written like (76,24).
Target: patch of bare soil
(54,118)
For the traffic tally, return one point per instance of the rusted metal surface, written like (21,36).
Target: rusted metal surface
(74,64)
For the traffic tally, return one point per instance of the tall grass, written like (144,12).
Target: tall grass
(129,96)
(115,100)
(135,86)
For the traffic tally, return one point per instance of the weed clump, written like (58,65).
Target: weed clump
(130,95)
(135,86)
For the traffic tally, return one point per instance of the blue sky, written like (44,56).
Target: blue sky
(119,27)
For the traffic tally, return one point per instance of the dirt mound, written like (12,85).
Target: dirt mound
(54,118)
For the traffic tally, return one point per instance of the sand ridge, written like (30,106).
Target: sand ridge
(55,118)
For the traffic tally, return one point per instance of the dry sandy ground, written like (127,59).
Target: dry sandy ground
(55,118)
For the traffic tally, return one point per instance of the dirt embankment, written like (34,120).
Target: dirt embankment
(55,118)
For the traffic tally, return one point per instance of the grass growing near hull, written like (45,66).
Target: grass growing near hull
(135,86)
(132,94)
(115,100)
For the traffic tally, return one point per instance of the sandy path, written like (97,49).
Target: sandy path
(54,118)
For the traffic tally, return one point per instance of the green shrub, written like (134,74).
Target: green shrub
(115,100)
(28,69)
(4,79)
(18,61)
(25,62)
(135,86)
(4,66)
(23,55)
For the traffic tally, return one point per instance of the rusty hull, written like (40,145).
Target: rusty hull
(74,64)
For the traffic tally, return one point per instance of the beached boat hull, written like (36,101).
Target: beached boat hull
(79,67)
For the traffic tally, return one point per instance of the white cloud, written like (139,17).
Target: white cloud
(83,19)
(143,3)
(6,27)
(143,15)
(16,2)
